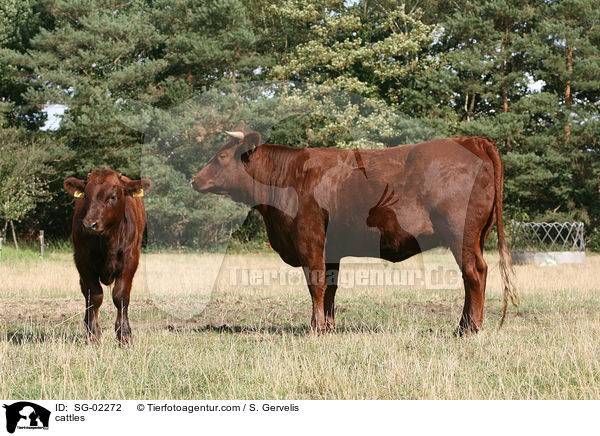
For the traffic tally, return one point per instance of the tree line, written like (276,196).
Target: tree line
(524,72)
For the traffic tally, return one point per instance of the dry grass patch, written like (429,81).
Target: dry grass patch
(237,340)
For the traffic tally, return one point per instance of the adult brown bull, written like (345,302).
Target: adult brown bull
(322,204)
(108,225)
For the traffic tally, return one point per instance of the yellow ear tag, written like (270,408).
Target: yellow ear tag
(139,194)
(78,194)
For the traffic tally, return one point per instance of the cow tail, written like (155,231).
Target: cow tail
(507,271)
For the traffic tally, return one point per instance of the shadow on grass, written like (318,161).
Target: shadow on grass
(20,338)
(298,330)
(236,329)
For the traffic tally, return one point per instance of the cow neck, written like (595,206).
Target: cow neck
(113,238)
(268,171)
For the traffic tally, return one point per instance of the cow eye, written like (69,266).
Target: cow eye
(222,155)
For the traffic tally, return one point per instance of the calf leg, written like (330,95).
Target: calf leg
(331,278)
(120,295)
(92,292)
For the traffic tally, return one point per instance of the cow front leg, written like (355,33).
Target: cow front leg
(92,292)
(311,253)
(315,278)
(120,295)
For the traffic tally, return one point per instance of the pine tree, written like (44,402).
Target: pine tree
(490,52)
(103,59)
(20,20)
(98,55)
(565,52)
(368,52)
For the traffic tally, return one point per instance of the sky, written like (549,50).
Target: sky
(54,112)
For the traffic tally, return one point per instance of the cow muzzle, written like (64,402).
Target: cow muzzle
(201,186)
(92,226)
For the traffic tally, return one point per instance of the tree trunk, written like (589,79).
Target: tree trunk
(502,70)
(12,226)
(568,97)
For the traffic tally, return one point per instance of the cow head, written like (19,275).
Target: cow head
(104,195)
(225,173)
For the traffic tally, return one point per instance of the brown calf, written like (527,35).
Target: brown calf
(108,224)
(320,205)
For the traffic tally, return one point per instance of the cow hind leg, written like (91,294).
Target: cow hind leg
(92,292)
(121,292)
(474,271)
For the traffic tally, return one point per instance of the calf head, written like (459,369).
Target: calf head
(225,172)
(104,194)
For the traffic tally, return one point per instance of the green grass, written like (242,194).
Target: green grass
(9,253)
(252,342)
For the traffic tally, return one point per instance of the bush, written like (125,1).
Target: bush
(592,240)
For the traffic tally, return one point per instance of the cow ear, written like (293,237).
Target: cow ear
(137,188)
(252,139)
(248,144)
(75,187)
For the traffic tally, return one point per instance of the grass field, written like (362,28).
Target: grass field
(247,339)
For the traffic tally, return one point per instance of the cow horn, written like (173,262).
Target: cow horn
(237,135)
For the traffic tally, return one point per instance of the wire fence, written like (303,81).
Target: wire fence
(543,237)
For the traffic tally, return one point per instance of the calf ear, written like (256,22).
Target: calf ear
(248,144)
(137,188)
(75,187)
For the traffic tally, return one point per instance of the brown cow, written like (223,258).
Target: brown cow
(108,224)
(322,204)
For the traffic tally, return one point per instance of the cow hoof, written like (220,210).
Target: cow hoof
(316,331)
(465,331)
(321,330)
(93,339)
(125,341)
(93,335)
(329,325)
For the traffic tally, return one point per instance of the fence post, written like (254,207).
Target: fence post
(1,250)
(41,244)
(14,235)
